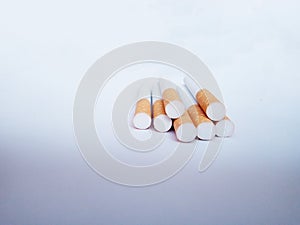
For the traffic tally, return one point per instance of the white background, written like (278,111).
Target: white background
(253,50)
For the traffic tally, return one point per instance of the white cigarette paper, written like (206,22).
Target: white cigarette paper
(214,109)
(184,128)
(173,105)
(161,122)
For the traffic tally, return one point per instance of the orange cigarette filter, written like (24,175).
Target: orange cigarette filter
(170,95)
(174,107)
(197,115)
(213,108)
(158,108)
(204,126)
(205,98)
(143,106)
(161,122)
(184,128)
(142,115)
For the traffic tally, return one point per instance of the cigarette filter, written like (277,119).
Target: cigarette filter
(205,127)
(174,107)
(184,128)
(224,128)
(161,122)
(214,109)
(142,115)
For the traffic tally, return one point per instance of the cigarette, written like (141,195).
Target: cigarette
(224,128)
(205,127)
(214,109)
(142,115)
(184,128)
(174,107)
(161,122)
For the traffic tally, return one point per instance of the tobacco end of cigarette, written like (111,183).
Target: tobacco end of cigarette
(162,123)
(224,128)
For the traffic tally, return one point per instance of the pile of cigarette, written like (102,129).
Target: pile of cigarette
(193,113)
